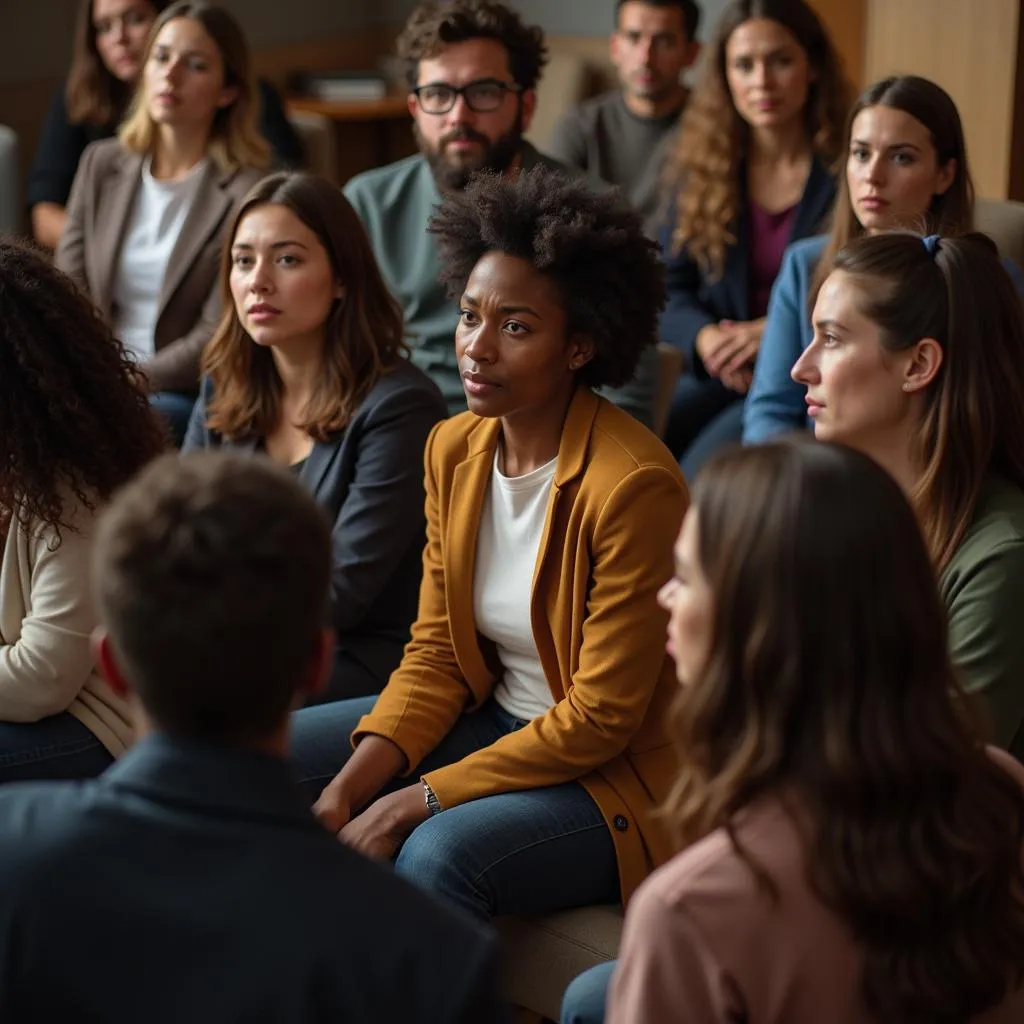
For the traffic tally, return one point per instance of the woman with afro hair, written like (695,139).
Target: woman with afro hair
(74,427)
(514,758)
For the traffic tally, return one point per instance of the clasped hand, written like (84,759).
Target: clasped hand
(728,350)
(381,828)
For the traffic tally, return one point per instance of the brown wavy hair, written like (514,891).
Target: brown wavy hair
(950,213)
(92,94)
(703,167)
(973,420)
(364,332)
(235,141)
(434,25)
(73,420)
(828,685)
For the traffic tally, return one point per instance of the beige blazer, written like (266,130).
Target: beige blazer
(704,943)
(100,205)
(46,620)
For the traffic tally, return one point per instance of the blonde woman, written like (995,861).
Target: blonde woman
(148,209)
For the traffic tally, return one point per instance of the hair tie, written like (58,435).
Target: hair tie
(931,244)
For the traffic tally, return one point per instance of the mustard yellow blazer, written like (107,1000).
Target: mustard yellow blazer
(616,506)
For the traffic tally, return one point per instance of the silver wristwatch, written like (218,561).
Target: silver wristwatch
(432,802)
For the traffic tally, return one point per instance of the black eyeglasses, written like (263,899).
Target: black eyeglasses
(482,96)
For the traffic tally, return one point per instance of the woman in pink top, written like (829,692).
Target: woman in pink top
(851,850)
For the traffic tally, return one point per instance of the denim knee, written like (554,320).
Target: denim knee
(433,859)
(585,998)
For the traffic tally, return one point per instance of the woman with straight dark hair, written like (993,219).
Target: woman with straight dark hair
(906,167)
(309,367)
(918,360)
(752,170)
(74,427)
(851,851)
(106,63)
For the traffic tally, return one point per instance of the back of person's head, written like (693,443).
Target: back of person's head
(211,574)
(74,422)
(363,332)
(235,141)
(689,9)
(827,682)
(972,424)
(609,276)
(93,94)
(436,24)
(702,170)
(951,211)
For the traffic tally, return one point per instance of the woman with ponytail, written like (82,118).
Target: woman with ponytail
(917,360)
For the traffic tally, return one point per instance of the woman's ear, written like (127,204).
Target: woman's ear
(581,351)
(926,360)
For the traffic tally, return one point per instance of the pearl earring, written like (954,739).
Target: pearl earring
(906,386)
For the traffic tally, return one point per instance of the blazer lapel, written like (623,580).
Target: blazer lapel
(318,463)
(815,203)
(108,233)
(211,204)
(470,481)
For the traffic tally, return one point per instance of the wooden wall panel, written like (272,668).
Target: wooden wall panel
(846,21)
(971,50)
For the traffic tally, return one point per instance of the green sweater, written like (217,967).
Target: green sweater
(395,203)
(983,589)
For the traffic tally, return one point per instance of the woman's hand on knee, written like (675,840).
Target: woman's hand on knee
(382,828)
(333,809)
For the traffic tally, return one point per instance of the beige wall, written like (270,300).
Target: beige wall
(970,49)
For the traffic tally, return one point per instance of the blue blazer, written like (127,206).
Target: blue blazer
(775,403)
(368,479)
(190,882)
(696,300)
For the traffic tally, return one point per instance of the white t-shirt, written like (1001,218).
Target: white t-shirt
(511,526)
(154,224)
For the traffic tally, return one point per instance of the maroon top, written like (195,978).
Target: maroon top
(769,235)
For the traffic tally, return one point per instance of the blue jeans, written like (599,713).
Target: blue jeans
(587,995)
(705,416)
(527,852)
(175,408)
(58,747)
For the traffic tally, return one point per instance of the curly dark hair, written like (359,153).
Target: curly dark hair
(73,420)
(608,272)
(435,25)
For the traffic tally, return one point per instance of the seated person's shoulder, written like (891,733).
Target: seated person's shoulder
(998,522)
(406,382)
(383,186)
(102,155)
(806,252)
(621,445)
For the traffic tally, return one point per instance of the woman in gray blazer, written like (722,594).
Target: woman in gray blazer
(148,209)
(310,368)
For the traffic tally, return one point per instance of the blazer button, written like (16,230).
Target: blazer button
(621,823)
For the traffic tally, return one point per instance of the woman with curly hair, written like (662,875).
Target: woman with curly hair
(751,172)
(310,369)
(529,706)
(851,850)
(74,426)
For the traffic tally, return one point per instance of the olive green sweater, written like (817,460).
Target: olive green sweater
(983,588)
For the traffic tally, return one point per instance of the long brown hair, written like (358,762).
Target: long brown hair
(74,422)
(828,684)
(973,421)
(950,213)
(364,332)
(92,94)
(235,141)
(702,171)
